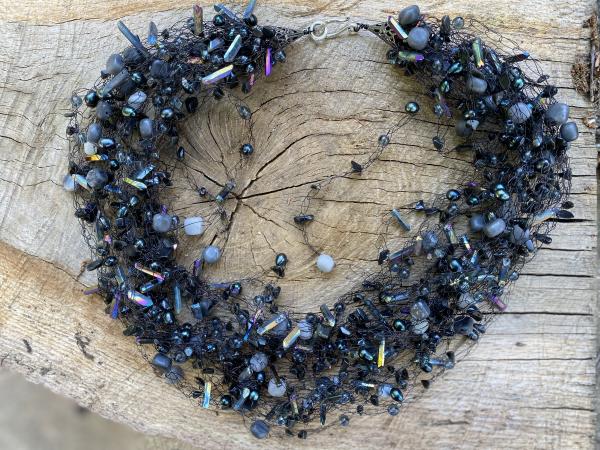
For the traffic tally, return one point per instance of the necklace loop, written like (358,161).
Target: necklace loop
(319,30)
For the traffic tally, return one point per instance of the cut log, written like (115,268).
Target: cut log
(530,383)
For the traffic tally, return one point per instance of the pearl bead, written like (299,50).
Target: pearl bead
(211,254)
(325,263)
(276,389)
(193,226)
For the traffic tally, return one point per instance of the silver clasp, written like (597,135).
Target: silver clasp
(319,31)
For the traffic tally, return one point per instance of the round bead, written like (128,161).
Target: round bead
(519,113)
(193,226)
(247,149)
(258,362)
(569,131)
(161,222)
(418,38)
(91,99)
(458,23)
(325,263)
(259,428)
(453,195)
(211,254)
(276,389)
(384,140)
(409,15)
(412,107)
(557,113)
(495,228)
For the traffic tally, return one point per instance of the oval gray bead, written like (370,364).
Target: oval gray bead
(94,133)
(162,361)
(146,128)
(104,110)
(161,223)
(569,131)
(495,228)
(96,178)
(114,64)
(463,129)
(418,38)
(260,429)
(557,114)
(259,361)
(137,99)
(477,85)
(159,68)
(519,113)
(477,222)
(409,15)
(518,236)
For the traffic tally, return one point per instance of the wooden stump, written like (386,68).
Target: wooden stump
(530,383)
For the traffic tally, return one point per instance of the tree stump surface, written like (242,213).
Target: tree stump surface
(529,383)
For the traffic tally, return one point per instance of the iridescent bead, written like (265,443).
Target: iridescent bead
(91,99)
(384,140)
(420,310)
(247,149)
(396,394)
(412,107)
(453,195)
(69,183)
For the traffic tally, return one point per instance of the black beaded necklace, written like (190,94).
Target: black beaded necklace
(396,330)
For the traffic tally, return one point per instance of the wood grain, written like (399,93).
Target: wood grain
(530,383)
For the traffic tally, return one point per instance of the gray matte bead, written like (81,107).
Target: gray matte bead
(104,110)
(259,361)
(161,223)
(162,361)
(94,133)
(495,228)
(159,69)
(97,178)
(260,429)
(477,223)
(137,99)
(174,375)
(418,38)
(519,112)
(569,131)
(211,254)
(476,85)
(462,129)
(557,114)
(409,15)
(114,64)
(146,128)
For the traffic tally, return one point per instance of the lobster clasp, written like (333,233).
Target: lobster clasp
(319,30)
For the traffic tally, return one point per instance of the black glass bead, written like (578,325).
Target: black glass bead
(453,195)
(167,113)
(412,107)
(438,142)
(396,394)
(218,93)
(91,99)
(180,153)
(247,149)
(191,104)
(226,401)
(400,325)
(219,20)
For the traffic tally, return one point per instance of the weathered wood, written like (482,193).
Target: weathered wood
(530,383)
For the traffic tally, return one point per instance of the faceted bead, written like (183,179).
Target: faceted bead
(114,64)
(418,38)
(420,310)
(161,222)
(325,263)
(412,107)
(557,113)
(409,15)
(193,226)
(97,178)
(384,140)
(393,410)
(569,131)
(211,254)
(476,85)
(494,228)
(276,389)
(259,361)
(519,113)
(259,428)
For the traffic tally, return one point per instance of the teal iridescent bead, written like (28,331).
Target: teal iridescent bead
(396,394)
(455,68)
(412,107)
(128,111)
(445,86)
